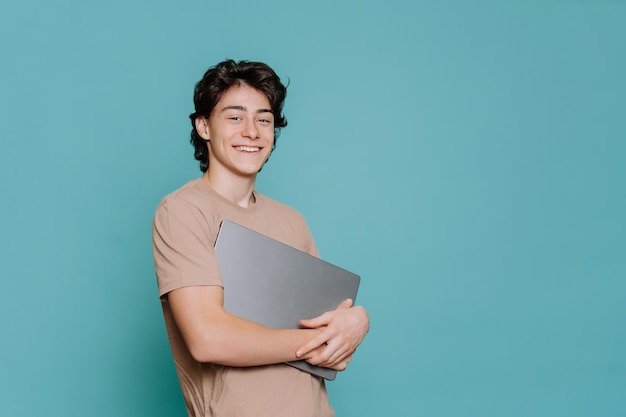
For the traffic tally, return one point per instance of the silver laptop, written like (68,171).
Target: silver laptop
(276,285)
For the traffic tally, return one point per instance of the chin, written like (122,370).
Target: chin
(251,171)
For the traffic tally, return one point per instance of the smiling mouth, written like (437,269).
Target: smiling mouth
(248,148)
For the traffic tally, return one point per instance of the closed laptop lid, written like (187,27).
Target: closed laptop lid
(276,285)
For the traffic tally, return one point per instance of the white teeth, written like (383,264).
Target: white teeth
(247,148)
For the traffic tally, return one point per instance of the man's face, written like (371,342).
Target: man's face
(240,130)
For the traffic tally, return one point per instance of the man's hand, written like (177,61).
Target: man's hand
(343,330)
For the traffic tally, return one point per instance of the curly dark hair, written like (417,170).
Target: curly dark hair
(218,79)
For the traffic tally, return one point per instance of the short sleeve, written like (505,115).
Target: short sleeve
(310,247)
(183,242)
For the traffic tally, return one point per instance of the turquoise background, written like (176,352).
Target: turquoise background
(466,158)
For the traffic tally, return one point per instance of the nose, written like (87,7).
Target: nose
(250,129)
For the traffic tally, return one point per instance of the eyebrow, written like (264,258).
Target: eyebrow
(242,108)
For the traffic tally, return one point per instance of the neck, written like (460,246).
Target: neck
(236,189)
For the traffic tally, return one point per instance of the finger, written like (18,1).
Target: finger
(312,354)
(341,366)
(337,360)
(312,344)
(325,318)
(332,353)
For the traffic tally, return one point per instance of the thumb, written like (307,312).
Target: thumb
(318,321)
(325,318)
(347,303)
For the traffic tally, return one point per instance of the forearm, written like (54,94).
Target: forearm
(234,341)
(216,336)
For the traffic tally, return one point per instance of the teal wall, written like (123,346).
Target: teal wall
(466,158)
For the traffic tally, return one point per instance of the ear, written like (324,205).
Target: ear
(202,127)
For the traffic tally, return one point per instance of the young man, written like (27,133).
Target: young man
(228,366)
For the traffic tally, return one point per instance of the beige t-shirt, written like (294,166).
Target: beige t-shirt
(185,228)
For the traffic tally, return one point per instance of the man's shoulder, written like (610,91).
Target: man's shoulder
(277,206)
(192,193)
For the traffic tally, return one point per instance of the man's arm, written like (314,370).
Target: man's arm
(214,335)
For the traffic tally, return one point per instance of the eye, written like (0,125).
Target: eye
(236,118)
